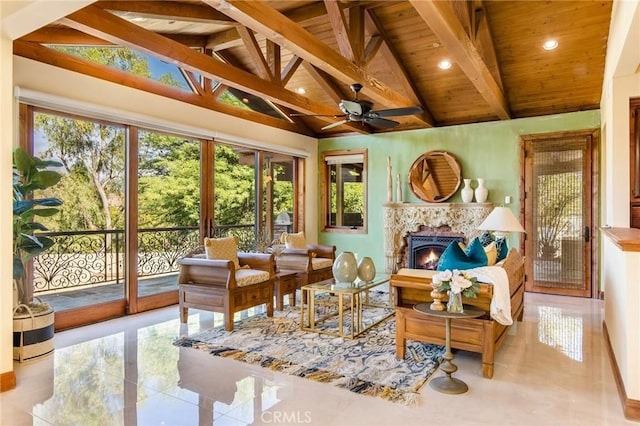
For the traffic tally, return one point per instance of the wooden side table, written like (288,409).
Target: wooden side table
(448,384)
(285,283)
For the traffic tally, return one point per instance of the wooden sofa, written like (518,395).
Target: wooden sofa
(216,285)
(483,335)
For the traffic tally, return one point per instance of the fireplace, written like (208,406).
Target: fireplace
(425,246)
(400,219)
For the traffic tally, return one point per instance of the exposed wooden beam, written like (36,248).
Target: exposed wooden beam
(443,22)
(393,61)
(63,36)
(356,33)
(102,24)
(290,69)
(274,60)
(481,36)
(180,11)
(324,81)
(54,57)
(340,29)
(267,21)
(255,53)
(372,48)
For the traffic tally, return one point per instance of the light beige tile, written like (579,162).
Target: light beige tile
(553,369)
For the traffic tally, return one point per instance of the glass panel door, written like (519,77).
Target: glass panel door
(235,195)
(85,265)
(168,210)
(558,214)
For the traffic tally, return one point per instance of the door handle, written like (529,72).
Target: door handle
(587,234)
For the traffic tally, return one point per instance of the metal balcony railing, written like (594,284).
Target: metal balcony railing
(85,258)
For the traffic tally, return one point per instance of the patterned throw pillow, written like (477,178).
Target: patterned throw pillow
(295,241)
(454,257)
(222,249)
(501,244)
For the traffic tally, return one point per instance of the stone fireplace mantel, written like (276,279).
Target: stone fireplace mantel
(403,218)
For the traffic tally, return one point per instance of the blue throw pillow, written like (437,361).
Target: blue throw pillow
(501,244)
(455,257)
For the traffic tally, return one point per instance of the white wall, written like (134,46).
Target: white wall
(620,272)
(6,142)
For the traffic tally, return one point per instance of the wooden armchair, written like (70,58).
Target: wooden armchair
(216,285)
(312,264)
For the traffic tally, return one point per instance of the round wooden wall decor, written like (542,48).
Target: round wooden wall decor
(435,176)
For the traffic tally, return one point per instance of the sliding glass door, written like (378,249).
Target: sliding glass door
(168,213)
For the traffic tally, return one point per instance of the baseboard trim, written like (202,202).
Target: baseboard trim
(630,407)
(7,381)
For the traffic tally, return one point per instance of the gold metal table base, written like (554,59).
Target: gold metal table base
(448,384)
(353,306)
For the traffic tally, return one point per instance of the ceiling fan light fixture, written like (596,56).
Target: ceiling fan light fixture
(445,64)
(550,44)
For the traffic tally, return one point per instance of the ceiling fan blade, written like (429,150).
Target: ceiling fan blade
(394,112)
(317,115)
(350,107)
(380,122)
(336,124)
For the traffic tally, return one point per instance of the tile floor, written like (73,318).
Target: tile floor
(552,370)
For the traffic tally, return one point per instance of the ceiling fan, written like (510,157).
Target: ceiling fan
(360,110)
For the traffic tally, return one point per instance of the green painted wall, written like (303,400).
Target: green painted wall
(488,150)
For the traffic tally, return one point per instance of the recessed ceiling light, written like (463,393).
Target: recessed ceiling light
(245,100)
(138,19)
(444,64)
(301,91)
(550,44)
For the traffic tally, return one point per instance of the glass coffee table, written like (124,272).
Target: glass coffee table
(349,302)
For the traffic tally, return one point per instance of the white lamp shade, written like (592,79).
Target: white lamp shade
(502,220)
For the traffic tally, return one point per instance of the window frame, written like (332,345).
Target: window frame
(325,196)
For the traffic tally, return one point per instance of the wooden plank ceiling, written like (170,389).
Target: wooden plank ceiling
(271,49)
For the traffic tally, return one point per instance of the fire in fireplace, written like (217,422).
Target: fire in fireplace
(425,246)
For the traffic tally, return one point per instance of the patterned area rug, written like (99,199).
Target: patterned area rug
(365,365)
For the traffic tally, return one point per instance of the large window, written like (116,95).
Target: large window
(344,195)
(136,200)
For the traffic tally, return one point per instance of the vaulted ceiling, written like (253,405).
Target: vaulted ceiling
(272,50)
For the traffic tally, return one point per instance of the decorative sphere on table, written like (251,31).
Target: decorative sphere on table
(345,267)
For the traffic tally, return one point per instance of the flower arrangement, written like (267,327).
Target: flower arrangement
(457,282)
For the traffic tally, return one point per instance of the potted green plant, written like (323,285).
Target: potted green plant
(32,321)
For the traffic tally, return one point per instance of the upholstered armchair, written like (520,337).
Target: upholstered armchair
(312,261)
(225,283)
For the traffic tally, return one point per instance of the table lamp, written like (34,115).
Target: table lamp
(501,221)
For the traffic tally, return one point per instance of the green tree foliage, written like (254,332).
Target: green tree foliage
(234,188)
(168,182)
(121,58)
(91,153)
(282,191)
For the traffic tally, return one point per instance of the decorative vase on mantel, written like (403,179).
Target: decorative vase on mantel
(345,267)
(467,192)
(481,191)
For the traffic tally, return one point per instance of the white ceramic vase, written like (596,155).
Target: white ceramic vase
(467,192)
(481,191)
(366,269)
(345,267)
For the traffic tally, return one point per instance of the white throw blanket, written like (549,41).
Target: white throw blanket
(500,309)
